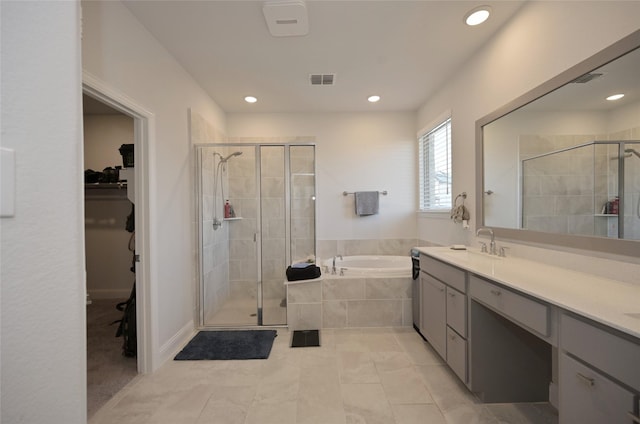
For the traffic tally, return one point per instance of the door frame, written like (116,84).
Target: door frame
(144,134)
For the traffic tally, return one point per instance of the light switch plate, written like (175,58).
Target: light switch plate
(7,182)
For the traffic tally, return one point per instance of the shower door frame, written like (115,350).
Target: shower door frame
(258,237)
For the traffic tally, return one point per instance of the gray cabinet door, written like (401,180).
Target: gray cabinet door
(457,354)
(434,313)
(587,397)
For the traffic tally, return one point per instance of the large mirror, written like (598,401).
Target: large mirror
(561,164)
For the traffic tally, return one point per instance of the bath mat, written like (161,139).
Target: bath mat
(305,338)
(226,345)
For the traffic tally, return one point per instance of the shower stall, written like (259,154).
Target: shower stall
(591,189)
(243,256)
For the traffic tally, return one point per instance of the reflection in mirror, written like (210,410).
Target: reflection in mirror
(561,161)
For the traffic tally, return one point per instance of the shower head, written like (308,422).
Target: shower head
(225,159)
(633,152)
(230,156)
(627,154)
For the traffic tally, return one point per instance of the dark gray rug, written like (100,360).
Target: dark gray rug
(224,345)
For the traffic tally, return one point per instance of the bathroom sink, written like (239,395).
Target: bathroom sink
(470,255)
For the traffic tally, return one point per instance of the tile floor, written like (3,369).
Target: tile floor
(242,311)
(357,376)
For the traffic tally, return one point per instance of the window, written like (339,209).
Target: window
(434,149)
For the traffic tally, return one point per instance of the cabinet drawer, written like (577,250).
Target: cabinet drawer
(457,354)
(609,352)
(452,276)
(587,397)
(526,311)
(457,311)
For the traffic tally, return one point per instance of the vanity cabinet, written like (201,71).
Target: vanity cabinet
(434,313)
(444,312)
(599,374)
(513,334)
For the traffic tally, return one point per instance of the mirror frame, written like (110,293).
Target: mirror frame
(599,244)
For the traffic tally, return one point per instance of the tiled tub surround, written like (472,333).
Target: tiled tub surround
(335,301)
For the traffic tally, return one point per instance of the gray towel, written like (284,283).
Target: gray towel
(367,202)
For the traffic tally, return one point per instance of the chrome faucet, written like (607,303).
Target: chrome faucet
(333,269)
(492,244)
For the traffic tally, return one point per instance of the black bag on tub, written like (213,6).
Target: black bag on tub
(307,273)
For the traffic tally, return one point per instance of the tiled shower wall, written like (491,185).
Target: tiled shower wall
(565,192)
(215,254)
(242,194)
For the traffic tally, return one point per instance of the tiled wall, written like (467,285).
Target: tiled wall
(345,302)
(565,192)
(396,247)
(215,254)
(242,194)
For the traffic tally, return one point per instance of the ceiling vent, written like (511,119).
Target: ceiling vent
(286,18)
(583,79)
(322,79)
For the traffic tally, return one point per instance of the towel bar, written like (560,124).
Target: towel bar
(345,193)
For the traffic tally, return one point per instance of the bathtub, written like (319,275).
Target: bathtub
(370,266)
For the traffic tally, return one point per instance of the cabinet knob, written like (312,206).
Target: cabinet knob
(586,380)
(452,294)
(496,292)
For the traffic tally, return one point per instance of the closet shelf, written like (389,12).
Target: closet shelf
(103,186)
(236,218)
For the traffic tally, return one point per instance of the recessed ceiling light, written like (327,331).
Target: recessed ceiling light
(250,99)
(477,15)
(373,99)
(615,97)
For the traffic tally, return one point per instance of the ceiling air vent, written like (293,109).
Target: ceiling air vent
(322,79)
(583,79)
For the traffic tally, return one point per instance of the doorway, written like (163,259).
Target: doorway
(131,188)
(256,206)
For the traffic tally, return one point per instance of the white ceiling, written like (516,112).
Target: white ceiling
(400,50)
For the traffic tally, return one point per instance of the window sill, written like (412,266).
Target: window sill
(439,214)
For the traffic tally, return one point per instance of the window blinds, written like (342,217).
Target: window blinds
(435,168)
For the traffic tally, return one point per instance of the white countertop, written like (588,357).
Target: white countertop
(610,302)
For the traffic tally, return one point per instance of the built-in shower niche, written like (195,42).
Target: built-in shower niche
(591,189)
(242,263)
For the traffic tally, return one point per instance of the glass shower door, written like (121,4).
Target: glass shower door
(631,192)
(273,212)
(228,254)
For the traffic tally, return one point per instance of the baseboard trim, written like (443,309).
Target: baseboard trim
(175,343)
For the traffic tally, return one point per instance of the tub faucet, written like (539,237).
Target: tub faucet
(492,244)
(333,269)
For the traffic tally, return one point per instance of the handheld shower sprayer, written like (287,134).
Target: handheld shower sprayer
(223,160)
(218,181)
